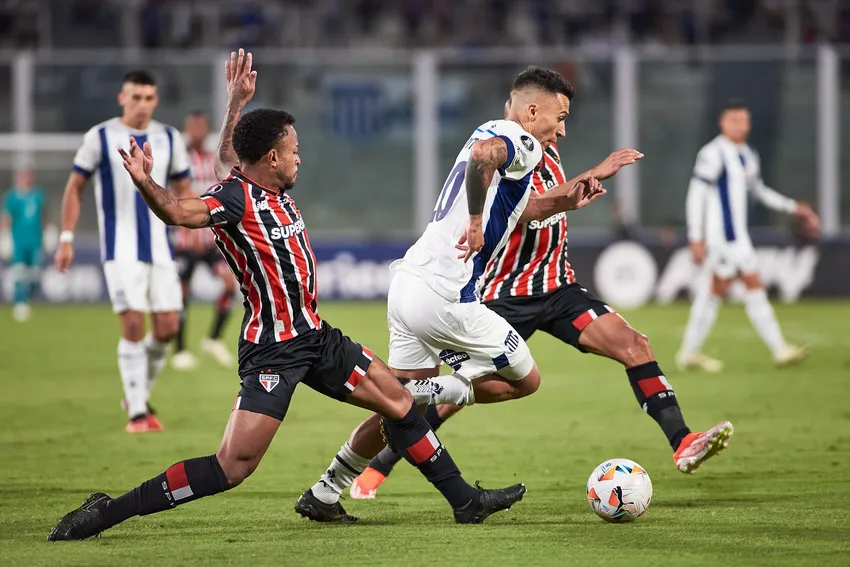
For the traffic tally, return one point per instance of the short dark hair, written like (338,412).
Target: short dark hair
(198,114)
(258,131)
(139,77)
(734,104)
(543,79)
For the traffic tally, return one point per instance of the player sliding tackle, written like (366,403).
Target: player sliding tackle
(283,341)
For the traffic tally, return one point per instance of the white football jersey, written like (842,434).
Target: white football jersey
(434,257)
(129,230)
(717,202)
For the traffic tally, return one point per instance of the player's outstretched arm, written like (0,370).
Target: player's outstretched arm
(191,213)
(614,163)
(241,83)
(572,195)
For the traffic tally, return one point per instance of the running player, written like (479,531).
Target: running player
(23,213)
(532,285)
(433,306)
(196,247)
(283,341)
(726,171)
(138,262)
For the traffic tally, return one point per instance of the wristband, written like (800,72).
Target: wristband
(66,237)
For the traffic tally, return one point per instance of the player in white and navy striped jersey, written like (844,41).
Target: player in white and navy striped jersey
(727,172)
(138,262)
(197,246)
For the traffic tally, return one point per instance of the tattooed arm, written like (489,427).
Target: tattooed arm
(485,158)
(241,83)
(191,213)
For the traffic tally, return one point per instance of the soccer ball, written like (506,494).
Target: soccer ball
(619,490)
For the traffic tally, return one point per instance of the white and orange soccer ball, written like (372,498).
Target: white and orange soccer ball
(619,490)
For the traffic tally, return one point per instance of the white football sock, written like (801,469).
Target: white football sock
(451,389)
(763,319)
(345,467)
(157,352)
(133,367)
(702,317)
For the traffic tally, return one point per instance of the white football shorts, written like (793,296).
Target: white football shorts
(139,286)
(728,260)
(427,329)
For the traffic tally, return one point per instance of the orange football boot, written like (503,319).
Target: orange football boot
(696,448)
(366,485)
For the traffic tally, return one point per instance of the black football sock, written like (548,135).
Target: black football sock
(387,458)
(180,483)
(225,303)
(656,397)
(415,441)
(180,339)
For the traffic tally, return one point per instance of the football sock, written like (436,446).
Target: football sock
(180,483)
(346,466)
(411,437)
(133,367)
(157,352)
(22,283)
(225,303)
(702,317)
(450,389)
(763,319)
(656,397)
(180,339)
(387,458)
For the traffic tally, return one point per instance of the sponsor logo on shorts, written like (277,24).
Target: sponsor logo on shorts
(269,381)
(512,341)
(453,358)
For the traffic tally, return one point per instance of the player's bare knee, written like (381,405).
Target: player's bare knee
(445,411)
(237,466)
(528,385)
(132,326)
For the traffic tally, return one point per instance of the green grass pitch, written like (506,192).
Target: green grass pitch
(777,496)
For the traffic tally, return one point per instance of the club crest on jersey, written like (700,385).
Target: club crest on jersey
(527,142)
(269,381)
(453,358)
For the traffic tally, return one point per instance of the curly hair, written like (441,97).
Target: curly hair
(258,131)
(543,79)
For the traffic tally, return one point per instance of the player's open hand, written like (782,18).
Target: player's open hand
(698,252)
(615,162)
(809,220)
(241,79)
(64,256)
(472,239)
(585,191)
(139,162)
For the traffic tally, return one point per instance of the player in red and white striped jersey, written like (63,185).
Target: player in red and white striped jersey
(197,246)
(283,342)
(533,287)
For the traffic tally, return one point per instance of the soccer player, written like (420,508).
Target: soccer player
(23,213)
(533,286)
(198,247)
(727,171)
(433,306)
(141,274)
(283,341)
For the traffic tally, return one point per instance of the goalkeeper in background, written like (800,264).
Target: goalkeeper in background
(22,218)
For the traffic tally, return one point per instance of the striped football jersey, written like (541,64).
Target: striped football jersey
(264,240)
(534,261)
(129,231)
